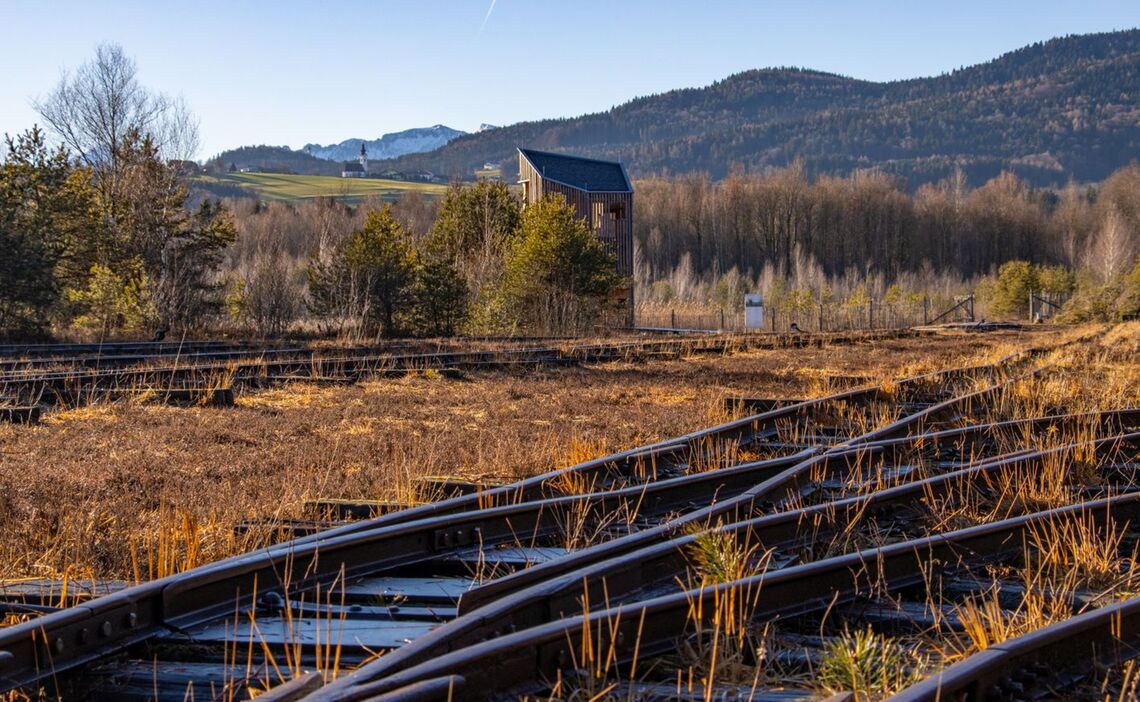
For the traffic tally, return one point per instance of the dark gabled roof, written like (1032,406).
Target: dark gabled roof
(586,174)
(353,167)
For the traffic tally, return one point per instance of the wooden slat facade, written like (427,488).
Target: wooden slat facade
(609,214)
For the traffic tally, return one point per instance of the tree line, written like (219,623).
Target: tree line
(85,260)
(700,241)
(475,261)
(104,235)
(100,250)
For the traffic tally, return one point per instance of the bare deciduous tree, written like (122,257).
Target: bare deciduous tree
(95,107)
(1111,250)
(272,298)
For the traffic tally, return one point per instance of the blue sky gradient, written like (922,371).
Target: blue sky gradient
(292,72)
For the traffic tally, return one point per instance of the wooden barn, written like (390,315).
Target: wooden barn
(600,191)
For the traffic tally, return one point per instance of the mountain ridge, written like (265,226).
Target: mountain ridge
(1003,114)
(387,146)
(1061,109)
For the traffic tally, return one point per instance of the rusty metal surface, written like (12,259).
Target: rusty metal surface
(254,366)
(645,570)
(33,651)
(520,662)
(1092,640)
(447,533)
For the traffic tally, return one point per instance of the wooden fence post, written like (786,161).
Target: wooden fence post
(672,319)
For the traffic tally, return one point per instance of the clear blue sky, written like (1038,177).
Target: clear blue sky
(293,72)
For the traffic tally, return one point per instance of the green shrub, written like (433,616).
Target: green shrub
(111,303)
(869,663)
(556,277)
(1109,302)
(1008,294)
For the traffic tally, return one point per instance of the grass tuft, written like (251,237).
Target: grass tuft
(868,663)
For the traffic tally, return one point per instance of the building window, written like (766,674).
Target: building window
(603,225)
(617,211)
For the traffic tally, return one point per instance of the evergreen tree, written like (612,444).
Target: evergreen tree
(178,251)
(380,257)
(475,221)
(441,296)
(473,228)
(557,276)
(45,207)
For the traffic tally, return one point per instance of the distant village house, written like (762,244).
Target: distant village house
(599,191)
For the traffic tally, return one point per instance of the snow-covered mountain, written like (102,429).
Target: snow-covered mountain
(409,141)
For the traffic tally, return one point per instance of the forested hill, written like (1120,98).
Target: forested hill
(1061,109)
(273,159)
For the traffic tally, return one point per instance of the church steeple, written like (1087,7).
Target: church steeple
(363,157)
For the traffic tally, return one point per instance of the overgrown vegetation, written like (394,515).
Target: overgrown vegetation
(103,239)
(556,276)
(369,441)
(103,258)
(842,242)
(107,241)
(869,663)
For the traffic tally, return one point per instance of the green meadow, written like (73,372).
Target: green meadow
(279,186)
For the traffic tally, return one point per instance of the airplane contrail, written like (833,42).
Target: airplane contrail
(489,11)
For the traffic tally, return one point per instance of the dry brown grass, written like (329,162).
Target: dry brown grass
(986,623)
(128,490)
(1062,559)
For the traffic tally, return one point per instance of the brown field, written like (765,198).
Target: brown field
(133,491)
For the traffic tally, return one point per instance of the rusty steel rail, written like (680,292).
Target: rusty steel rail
(366,361)
(649,569)
(669,451)
(1086,643)
(1112,418)
(207,353)
(70,351)
(875,442)
(210,591)
(148,348)
(528,661)
(35,651)
(15,368)
(752,501)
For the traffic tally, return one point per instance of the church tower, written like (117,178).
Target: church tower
(363,159)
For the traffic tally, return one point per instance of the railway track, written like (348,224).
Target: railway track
(483,595)
(888,585)
(1042,664)
(63,357)
(192,374)
(550,598)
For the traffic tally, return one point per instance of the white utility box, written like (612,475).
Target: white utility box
(753,311)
